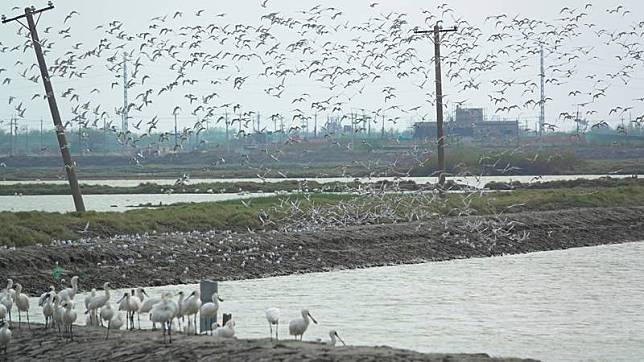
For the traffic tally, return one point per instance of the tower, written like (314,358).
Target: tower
(542,113)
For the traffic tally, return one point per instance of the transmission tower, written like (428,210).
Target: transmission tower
(542,113)
(124,125)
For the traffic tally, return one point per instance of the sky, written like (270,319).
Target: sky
(136,17)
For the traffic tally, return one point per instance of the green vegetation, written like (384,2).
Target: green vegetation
(28,228)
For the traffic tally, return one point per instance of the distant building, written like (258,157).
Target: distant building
(470,123)
(496,130)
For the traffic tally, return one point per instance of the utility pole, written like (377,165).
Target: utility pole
(315,125)
(439,97)
(51,98)
(542,76)
(41,139)
(382,130)
(11,136)
(176,133)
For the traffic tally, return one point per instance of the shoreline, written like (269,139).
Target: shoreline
(186,258)
(90,344)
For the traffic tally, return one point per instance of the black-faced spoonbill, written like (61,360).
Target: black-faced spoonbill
(227,331)
(209,310)
(273,318)
(22,303)
(69,317)
(333,334)
(163,313)
(69,293)
(297,327)
(5,336)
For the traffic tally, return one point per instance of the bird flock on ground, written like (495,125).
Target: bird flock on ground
(170,311)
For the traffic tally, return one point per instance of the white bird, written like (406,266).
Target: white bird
(191,306)
(88,300)
(137,302)
(297,327)
(333,334)
(6,297)
(48,310)
(209,310)
(3,312)
(107,313)
(22,304)
(116,322)
(59,311)
(227,331)
(5,336)
(163,313)
(69,317)
(147,306)
(129,304)
(45,295)
(98,302)
(273,318)
(69,293)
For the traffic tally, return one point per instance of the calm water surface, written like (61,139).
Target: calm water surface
(575,305)
(119,203)
(472,181)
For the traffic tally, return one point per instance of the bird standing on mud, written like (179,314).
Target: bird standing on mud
(297,327)
(273,318)
(5,336)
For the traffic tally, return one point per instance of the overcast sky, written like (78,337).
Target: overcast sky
(137,14)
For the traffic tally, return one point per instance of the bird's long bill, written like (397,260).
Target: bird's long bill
(313,319)
(123,297)
(144,293)
(221,300)
(340,339)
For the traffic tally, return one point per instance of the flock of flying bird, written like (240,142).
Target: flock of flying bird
(100,311)
(207,69)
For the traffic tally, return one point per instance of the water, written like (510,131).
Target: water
(471,181)
(64,203)
(117,203)
(575,305)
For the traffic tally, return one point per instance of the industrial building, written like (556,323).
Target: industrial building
(470,123)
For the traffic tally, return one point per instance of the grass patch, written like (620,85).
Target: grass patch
(28,228)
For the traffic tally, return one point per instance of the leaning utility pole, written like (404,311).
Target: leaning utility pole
(51,98)
(439,97)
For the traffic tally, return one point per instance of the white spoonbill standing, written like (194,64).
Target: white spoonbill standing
(69,317)
(273,318)
(5,336)
(191,306)
(22,304)
(209,310)
(69,293)
(297,327)
(163,313)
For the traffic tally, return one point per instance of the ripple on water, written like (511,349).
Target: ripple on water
(578,304)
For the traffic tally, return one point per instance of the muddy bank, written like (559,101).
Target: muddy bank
(188,257)
(90,344)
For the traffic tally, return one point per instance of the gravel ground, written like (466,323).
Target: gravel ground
(89,344)
(187,258)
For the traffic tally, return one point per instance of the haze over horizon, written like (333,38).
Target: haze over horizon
(586,58)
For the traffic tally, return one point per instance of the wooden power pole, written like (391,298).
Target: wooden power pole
(440,136)
(51,98)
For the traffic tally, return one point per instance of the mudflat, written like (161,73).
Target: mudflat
(182,258)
